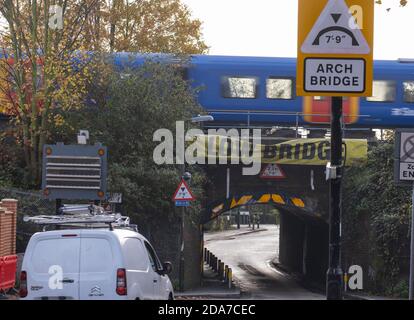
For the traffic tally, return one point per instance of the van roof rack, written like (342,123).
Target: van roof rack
(87,216)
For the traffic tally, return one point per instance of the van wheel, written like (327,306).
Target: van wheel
(170,297)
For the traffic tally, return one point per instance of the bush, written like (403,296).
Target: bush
(376,220)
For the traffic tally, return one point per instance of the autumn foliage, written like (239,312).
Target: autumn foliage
(53,50)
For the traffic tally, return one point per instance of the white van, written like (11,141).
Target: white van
(91,264)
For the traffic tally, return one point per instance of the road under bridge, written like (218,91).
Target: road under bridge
(302,197)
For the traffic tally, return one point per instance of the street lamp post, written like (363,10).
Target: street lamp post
(186,176)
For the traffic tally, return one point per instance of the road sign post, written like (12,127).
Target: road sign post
(335,59)
(182,198)
(334,281)
(404,176)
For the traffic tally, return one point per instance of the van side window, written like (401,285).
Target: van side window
(239,87)
(383,91)
(155,262)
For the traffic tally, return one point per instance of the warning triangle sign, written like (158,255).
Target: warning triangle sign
(272,171)
(336,31)
(183,193)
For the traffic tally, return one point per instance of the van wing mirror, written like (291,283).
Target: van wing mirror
(167,267)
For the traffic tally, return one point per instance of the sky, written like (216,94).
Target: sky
(269,27)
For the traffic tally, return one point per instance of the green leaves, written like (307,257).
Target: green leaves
(138,102)
(377,212)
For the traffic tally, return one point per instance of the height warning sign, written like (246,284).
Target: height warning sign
(335,48)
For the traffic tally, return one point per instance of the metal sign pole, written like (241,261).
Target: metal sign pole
(411,294)
(182,256)
(334,277)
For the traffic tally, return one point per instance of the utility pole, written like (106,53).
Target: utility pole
(334,277)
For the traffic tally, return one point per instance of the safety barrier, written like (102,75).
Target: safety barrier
(8,266)
(224,272)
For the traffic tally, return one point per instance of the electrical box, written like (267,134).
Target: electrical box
(74,172)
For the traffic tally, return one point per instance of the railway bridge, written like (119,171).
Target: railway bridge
(300,193)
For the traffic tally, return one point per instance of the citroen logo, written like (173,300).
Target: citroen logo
(96,292)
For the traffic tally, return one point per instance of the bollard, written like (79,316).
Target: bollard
(219,268)
(346,282)
(230,278)
(226,272)
(222,271)
(205,254)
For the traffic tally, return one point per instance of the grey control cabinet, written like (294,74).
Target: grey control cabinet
(74,172)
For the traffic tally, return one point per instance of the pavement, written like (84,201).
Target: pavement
(212,288)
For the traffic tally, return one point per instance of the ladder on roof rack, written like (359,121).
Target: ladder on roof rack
(83,216)
(82,209)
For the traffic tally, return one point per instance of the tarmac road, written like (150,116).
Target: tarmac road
(249,254)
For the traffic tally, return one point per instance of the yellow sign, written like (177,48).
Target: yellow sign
(314,152)
(335,48)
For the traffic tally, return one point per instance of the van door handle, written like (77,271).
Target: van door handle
(67,281)
(155,280)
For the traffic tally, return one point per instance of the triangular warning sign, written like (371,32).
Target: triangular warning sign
(272,171)
(336,31)
(183,193)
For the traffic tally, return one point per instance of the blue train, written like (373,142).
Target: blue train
(255,91)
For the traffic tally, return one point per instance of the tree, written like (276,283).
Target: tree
(139,102)
(376,219)
(402,3)
(146,26)
(42,68)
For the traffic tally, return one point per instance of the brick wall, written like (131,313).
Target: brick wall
(8,215)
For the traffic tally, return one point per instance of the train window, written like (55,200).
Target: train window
(408,91)
(383,91)
(239,87)
(279,88)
